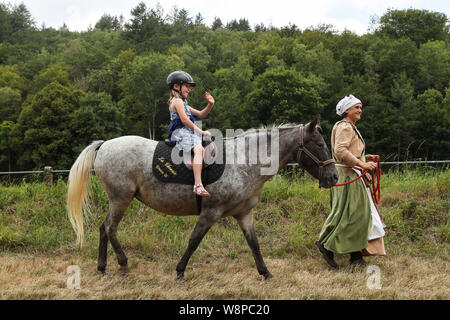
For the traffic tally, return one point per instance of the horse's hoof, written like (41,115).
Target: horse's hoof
(268,276)
(124,270)
(180,276)
(102,269)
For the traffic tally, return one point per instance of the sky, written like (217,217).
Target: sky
(353,15)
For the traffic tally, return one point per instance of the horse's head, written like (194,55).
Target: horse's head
(314,157)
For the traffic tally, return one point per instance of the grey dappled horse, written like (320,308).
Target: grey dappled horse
(124,169)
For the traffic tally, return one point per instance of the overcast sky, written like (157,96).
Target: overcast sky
(353,15)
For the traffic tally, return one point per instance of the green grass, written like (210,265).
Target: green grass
(33,216)
(288,219)
(37,244)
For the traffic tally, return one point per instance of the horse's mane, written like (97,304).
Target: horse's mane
(266,128)
(280,126)
(288,125)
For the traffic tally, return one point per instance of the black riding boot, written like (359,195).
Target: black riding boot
(356,259)
(327,255)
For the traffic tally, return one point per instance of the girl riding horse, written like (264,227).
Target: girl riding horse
(183,129)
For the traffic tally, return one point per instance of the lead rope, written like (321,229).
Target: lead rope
(375,190)
(348,182)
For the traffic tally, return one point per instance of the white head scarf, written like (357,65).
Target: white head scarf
(346,103)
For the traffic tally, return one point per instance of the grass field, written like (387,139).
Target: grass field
(37,245)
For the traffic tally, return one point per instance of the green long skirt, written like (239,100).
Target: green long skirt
(348,225)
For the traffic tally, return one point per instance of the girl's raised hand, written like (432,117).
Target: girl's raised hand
(209,98)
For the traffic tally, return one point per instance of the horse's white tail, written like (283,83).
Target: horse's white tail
(78,189)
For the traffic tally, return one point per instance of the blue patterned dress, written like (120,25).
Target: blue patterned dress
(185,138)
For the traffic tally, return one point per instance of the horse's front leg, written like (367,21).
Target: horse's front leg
(245,220)
(205,222)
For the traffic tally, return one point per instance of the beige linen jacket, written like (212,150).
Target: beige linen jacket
(348,144)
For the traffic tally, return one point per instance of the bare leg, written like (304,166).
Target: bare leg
(199,153)
(245,221)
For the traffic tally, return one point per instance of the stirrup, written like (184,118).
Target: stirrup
(202,193)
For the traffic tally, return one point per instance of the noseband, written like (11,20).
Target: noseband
(302,148)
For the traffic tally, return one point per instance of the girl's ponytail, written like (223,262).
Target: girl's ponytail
(173,94)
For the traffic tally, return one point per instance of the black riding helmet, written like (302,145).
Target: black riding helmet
(180,77)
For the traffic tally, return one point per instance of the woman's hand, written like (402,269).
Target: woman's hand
(372,157)
(209,98)
(369,165)
(206,133)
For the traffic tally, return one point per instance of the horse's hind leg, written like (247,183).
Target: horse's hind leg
(108,231)
(102,249)
(245,221)
(204,223)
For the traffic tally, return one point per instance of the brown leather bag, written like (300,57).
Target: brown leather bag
(367,177)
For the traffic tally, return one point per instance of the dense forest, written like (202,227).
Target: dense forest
(59,89)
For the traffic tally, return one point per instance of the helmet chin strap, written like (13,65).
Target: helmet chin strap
(179,91)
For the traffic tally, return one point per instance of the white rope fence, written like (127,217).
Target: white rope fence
(289,164)
(398,162)
(48,171)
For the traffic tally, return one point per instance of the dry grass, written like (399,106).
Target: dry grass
(28,276)
(37,246)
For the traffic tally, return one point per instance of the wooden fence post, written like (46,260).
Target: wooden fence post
(48,175)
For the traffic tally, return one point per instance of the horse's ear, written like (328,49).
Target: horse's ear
(313,124)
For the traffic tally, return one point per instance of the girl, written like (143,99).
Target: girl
(182,129)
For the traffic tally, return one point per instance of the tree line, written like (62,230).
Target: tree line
(60,90)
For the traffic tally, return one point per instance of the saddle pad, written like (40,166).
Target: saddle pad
(166,171)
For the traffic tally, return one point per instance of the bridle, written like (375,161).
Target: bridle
(302,148)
